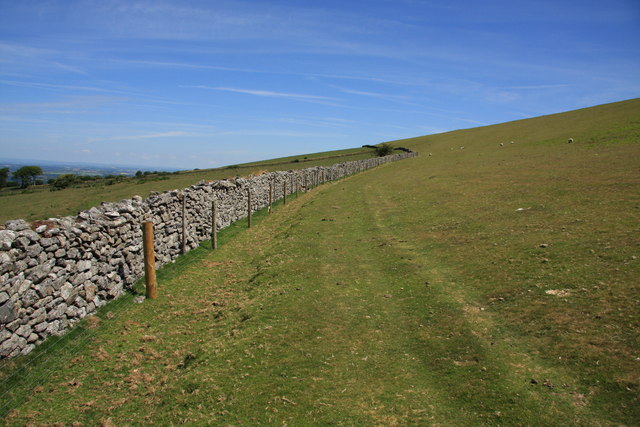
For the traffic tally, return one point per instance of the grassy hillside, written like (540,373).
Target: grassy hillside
(616,123)
(483,285)
(40,203)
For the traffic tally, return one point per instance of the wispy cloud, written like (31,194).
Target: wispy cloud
(17,119)
(58,87)
(33,57)
(171,64)
(280,133)
(68,105)
(310,75)
(405,82)
(319,122)
(265,93)
(384,96)
(142,136)
(535,87)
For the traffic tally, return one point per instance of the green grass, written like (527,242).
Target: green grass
(39,203)
(412,294)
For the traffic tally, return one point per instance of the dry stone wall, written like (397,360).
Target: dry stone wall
(55,272)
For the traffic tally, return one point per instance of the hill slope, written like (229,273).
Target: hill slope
(37,202)
(480,285)
(615,123)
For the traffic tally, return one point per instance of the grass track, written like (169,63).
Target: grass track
(414,293)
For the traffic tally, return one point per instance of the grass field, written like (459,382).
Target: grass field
(40,203)
(481,285)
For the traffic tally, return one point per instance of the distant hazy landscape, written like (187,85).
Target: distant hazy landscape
(53,169)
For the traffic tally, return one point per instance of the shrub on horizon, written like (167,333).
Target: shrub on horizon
(384,149)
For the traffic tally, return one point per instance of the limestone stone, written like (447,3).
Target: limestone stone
(83,265)
(34,250)
(39,272)
(62,240)
(6,239)
(5,262)
(45,288)
(57,282)
(73,253)
(16,225)
(21,242)
(57,312)
(44,302)
(72,311)
(68,292)
(90,291)
(48,242)
(38,316)
(54,303)
(30,297)
(8,312)
(42,257)
(24,331)
(80,279)
(13,326)
(53,327)
(29,234)
(82,312)
(8,347)
(41,327)
(27,349)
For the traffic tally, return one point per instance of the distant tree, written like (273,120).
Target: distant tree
(384,150)
(64,181)
(4,175)
(27,174)
(138,174)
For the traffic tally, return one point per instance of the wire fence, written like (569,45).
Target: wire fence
(21,376)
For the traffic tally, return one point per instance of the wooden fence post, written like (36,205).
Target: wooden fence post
(184,224)
(214,226)
(149,260)
(270,195)
(249,207)
(284,192)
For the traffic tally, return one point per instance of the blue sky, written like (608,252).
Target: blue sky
(197,84)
